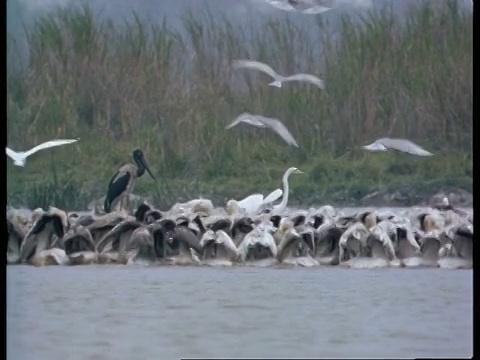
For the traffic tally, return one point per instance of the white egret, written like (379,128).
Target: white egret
(19,158)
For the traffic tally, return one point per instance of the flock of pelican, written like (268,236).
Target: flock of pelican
(252,232)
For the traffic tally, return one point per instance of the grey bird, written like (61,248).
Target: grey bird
(403,145)
(262,121)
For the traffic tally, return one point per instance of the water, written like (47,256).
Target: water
(151,312)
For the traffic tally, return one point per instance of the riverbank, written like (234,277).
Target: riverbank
(171,93)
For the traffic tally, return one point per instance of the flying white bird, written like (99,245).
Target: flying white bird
(20,158)
(278,79)
(262,121)
(282,5)
(316,10)
(306,7)
(397,144)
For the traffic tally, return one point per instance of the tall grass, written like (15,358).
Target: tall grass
(172,93)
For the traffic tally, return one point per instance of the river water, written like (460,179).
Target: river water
(154,312)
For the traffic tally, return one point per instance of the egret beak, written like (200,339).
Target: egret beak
(299,172)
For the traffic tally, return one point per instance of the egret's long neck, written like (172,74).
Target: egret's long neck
(286,190)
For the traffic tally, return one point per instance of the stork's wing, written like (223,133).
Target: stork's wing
(255,65)
(277,126)
(405,146)
(49,144)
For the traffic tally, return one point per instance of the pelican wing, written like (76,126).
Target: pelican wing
(277,126)
(273,196)
(255,65)
(223,238)
(247,119)
(49,144)
(404,146)
(306,78)
(251,203)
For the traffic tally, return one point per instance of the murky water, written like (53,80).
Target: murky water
(151,312)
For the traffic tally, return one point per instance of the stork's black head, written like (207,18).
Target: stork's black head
(141,163)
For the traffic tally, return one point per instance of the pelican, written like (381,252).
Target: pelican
(163,242)
(445,206)
(289,243)
(278,79)
(258,244)
(123,182)
(327,237)
(116,240)
(274,124)
(20,158)
(37,245)
(79,246)
(280,208)
(16,234)
(218,248)
(403,145)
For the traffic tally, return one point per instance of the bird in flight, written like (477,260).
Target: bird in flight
(403,145)
(19,158)
(278,79)
(262,122)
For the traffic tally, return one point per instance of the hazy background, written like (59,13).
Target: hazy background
(155,74)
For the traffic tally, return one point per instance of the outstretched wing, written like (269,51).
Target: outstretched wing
(273,196)
(247,119)
(49,144)
(13,154)
(281,5)
(405,146)
(306,78)
(317,9)
(277,126)
(255,65)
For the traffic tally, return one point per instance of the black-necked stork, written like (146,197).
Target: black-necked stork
(123,181)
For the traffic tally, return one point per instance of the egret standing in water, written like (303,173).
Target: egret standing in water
(123,181)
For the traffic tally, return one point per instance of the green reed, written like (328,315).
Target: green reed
(172,93)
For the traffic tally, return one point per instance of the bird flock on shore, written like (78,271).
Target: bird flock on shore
(253,231)
(196,234)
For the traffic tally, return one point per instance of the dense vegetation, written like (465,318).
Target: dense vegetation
(118,87)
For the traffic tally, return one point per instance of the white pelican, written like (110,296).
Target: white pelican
(274,124)
(403,145)
(20,158)
(280,208)
(259,243)
(278,79)
(79,246)
(123,182)
(37,245)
